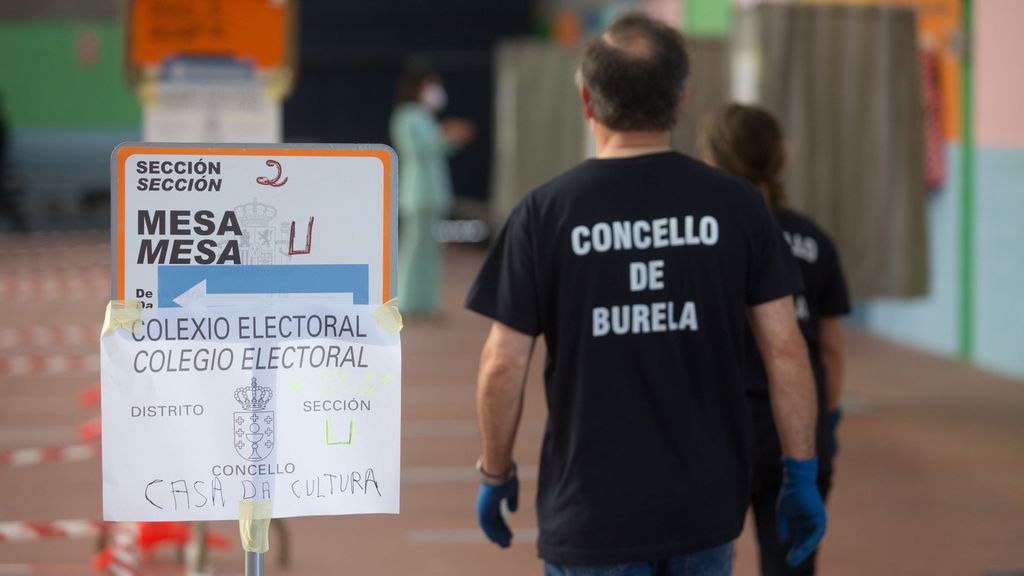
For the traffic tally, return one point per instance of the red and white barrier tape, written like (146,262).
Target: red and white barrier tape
(49,289)
(43,336)
(41,569)
(34,456)
(120,558)
(15,532)
(49,364)
(95,262)
(48,272)
(90,397)
(46,243)
(91,430)
(124,550)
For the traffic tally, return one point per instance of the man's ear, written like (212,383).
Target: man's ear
(588,111)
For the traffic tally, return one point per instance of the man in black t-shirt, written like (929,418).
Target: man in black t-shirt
(640,269)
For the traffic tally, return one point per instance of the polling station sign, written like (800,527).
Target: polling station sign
(204,407)
(200,225)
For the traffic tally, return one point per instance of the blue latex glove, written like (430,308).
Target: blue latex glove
(488,509)
(800,513)
(833,426)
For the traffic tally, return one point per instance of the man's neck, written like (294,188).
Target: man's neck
(611,144)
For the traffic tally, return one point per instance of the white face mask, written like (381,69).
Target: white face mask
(434,97)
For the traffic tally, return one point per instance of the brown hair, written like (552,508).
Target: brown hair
(635,73)
(746,141)
(414,76)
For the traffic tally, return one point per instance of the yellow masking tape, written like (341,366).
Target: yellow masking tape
(388,317)
(122,314)
(278,84)
(146,91)
(254,524)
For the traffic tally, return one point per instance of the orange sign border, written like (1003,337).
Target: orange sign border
(383,153)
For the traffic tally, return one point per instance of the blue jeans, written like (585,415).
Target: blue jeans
(711,562)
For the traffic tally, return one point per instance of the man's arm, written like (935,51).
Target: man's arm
(800,512)
(499,394)
(832,359)
(499,406)
(790,381)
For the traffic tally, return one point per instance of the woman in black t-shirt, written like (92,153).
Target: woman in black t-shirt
(747,141)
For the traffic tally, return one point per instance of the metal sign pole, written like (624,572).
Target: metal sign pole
(196,553)
(253,564)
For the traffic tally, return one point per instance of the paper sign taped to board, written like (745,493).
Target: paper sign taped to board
(204,407)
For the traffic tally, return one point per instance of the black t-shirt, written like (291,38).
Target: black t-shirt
(639,272)
(824,296)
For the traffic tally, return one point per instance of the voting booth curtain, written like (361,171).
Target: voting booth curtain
(846,84)
(539,126)
(707,89)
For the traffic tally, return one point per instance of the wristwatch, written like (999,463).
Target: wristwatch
(494,479)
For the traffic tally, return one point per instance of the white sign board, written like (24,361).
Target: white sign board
(204,112)
(252,367)
(221,225)
(206,407)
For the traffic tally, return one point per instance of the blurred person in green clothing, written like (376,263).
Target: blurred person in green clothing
(425,188)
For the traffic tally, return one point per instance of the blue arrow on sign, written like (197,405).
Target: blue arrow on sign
(209,284)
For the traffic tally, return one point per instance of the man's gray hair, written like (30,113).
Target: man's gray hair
(635,73)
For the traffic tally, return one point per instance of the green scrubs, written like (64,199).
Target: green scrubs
(425,197)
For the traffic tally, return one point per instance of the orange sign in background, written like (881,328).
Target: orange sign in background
(252,30)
